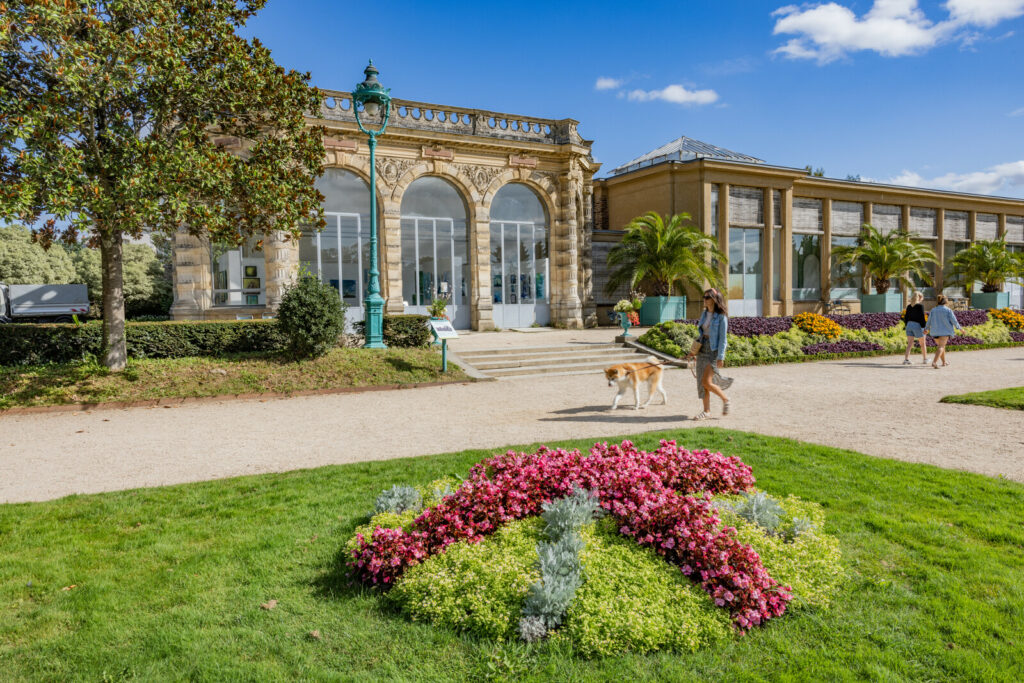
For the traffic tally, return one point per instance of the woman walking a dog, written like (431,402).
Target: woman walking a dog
(712,328)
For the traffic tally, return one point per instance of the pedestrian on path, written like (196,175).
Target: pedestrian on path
(712,327)
(942,324)
(915,322)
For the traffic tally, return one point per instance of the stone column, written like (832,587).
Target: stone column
(705,208)
(723,235)
(940,247)
(826,250)
(482,305)
(389,233)
(972,225)
(865,281)
(1001,234)
(193,280)
(586,257)
(566,310)
(281,262)
(786,276)
(905,221)
(767,260)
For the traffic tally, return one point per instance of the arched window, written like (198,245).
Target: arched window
(434,248)
(340,254)
(520,270)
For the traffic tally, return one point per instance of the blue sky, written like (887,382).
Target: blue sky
(920,93)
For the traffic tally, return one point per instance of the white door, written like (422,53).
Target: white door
(519,274)
(438,269)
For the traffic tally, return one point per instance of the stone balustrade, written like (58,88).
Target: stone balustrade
(338,106)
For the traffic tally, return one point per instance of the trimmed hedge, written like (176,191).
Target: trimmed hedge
(403,331)
(25,344)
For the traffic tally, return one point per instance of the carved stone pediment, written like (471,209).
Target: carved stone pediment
(481,176)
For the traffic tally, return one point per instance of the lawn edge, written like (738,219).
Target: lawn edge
(171,401)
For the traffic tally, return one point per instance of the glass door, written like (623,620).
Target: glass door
(519,274)
(744,271)
(434,266)
(339,255)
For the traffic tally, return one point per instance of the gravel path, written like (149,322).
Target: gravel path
(871,405)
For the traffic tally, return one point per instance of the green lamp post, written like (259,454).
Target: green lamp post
(376,108)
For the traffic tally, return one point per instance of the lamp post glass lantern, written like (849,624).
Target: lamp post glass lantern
(372,102)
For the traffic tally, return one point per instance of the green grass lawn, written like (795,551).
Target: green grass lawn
(243,374)
(169,582)
(1012,398)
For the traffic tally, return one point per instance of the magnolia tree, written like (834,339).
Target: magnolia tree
(119,117)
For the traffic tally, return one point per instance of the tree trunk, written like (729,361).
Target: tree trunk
(115,351)
(881,286)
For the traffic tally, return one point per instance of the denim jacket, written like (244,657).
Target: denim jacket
(941,322)
(716,332)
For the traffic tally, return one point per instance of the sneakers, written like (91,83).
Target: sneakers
(725,407)
(702,416)
(906,361)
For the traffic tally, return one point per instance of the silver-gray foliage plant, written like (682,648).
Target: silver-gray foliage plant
(761,509)
(561,572)
(398,499)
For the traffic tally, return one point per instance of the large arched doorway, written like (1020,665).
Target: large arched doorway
(435,261)
(340,254)
(520,271)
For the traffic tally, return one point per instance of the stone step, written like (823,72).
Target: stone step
(547,355)
(541,350)
(605,359)
(574,367)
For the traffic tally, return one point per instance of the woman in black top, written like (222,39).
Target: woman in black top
(914,319)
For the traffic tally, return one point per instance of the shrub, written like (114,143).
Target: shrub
(25,344)
(398,499)
(818,325)
(384,520)
(957,340)
(1017,336)
(312,316)
(1009,317)
(844,346)
(403,331)
(476,588)
(632,600)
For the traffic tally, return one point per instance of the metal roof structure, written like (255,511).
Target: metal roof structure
(684,149)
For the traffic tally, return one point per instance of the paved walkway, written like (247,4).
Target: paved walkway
(871,405)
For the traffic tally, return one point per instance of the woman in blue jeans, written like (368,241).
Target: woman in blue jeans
(915,322)
(942,325)
(712,328)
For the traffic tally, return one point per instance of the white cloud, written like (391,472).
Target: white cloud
(604,83)
(894,28)
(1017,112)
(985,13)
(676,94)
(1005,178)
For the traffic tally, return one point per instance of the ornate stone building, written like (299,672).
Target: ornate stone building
(489,210)
(778,225)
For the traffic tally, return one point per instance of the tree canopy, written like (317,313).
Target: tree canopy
(24,262)
(988,262)
(888,256)
(119,117)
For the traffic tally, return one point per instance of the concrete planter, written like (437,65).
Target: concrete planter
(986,300)
(890,302)
(661,309)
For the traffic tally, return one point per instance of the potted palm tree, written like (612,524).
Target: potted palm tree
(988,262)
(884,258)
(661,257)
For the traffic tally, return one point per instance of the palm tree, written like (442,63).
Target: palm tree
(885,257)
(989,262)
(659,257)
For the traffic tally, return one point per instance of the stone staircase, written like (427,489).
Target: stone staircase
(563,359)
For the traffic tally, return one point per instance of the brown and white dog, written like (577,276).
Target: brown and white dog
(628,375)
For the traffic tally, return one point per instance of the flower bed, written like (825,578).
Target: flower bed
(1009,317)
(811,336)
(461,562)
(841,347)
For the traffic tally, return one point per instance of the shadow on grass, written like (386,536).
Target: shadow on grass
(19,387)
